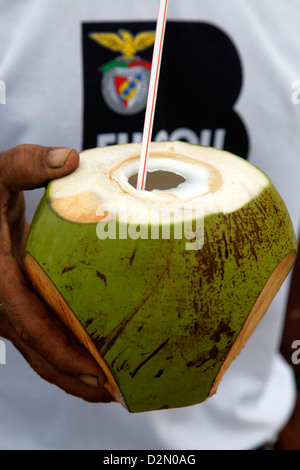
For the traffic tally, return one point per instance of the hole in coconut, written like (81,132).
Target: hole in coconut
(178,178)
(159,180)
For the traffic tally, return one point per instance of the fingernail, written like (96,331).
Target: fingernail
(56,158)
(90,380)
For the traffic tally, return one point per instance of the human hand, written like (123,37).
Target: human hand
(24,319)
(289,437)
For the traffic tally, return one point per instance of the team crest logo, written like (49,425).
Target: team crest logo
(125,80)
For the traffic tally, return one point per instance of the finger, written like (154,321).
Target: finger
(32,322)
(76,386)
(31,166)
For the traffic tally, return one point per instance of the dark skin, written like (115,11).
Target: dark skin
(24,319)
(289,438)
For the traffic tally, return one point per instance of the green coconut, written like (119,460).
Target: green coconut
(163,286)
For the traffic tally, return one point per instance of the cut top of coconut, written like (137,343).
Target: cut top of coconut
(181,176)
(197,178)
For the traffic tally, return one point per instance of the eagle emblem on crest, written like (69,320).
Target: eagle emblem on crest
(125,79)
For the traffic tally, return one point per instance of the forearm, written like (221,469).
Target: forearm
(290,344)
(289,438)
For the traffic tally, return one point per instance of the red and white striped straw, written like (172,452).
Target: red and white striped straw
(152,93)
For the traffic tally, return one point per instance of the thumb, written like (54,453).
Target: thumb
(31,166)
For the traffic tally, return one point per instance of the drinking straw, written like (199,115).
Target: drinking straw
(152,93)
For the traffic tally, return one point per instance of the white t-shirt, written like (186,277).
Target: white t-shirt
(228,73)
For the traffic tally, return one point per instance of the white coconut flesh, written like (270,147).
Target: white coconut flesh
(181,176)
